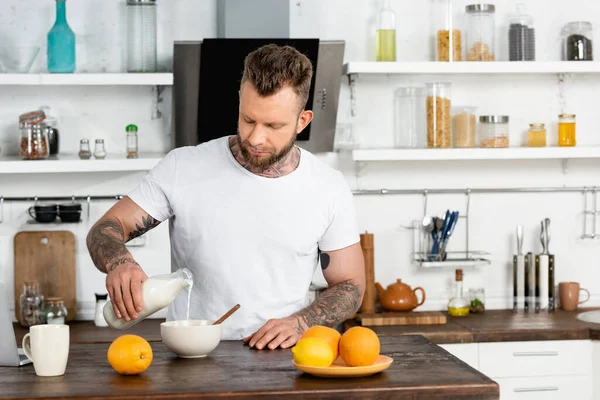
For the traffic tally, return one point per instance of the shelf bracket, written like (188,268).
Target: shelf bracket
(352,84)
(565,165)
(157,91)
(561,93)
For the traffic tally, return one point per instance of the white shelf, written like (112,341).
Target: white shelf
(106,79)
(472,67)
(511,153)
(72,163)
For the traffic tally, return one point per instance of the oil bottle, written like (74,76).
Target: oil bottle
(386,33)
(458,306)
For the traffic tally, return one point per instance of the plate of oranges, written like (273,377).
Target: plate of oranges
(324,352)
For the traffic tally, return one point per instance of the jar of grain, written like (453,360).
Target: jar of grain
(33,143)
(536,136)
(439,118)
(493,131)
(464,127)
(480,32)
(566,130)
(447,31)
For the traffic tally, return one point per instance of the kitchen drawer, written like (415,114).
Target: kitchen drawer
(540,358)
(546,388)
(466,352)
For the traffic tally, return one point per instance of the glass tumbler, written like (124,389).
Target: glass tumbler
(141,35)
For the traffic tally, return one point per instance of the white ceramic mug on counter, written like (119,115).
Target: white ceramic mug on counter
(48,347)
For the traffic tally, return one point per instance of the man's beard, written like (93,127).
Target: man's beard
(267,160)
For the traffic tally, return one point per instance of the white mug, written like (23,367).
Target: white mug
(48,347)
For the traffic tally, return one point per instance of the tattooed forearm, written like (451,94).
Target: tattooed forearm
(106,245)
(334,306)
(148,223)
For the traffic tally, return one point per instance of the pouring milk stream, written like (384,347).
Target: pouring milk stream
(158,292)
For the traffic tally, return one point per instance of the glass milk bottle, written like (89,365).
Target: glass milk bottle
(158,291)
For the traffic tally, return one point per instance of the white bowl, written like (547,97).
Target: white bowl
(190,338)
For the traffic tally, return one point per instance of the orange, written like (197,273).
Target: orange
(359,346)
(330,335)
(313,351)
(129,354)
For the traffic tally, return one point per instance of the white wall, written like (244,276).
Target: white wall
(97,112)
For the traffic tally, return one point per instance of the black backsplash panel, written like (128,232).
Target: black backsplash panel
(221,69)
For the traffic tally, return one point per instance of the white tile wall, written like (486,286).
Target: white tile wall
(96,112)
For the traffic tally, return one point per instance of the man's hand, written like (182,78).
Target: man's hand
(124,284)
(275,333)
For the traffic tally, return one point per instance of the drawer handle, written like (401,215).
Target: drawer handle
(534,353)
(537,389)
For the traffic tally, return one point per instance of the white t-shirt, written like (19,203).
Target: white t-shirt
(247,239)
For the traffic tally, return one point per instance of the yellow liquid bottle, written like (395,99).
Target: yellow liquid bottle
(458,306)
(386,34)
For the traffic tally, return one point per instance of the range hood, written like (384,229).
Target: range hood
(207,73)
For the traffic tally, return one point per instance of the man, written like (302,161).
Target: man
(249,215)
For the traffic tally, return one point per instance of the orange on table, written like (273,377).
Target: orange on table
(330,335)
(359,347)
(313,351)
(130,354)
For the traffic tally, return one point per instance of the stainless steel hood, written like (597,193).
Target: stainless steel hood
(207,75)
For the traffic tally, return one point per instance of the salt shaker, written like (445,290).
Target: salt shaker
(99,151)
(99,315)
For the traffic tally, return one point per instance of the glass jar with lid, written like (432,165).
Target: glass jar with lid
(577,41)
(410,116)
(447,31)
(493,131)
(521,36)
(132,140)
(31,305)
(55,311)
(439,115)
(33,143)
(536,136)
(141,36)
(567,136)
(480,32)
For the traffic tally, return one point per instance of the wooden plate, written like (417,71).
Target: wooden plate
(339,370)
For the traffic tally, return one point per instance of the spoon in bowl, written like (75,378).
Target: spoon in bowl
(227,315)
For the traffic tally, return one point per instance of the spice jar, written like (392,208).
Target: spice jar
(55,311)
(447,32)
(493,131)
(132,141)
(31,305)
(84,149)
(566,130)
(99,151)
(536,136)
(439,118)
(409,116)
(477,300)
(464,127)
(480,32)
(577,41)
(34,141)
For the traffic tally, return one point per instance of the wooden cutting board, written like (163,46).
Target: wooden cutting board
(49,258)
(402,318)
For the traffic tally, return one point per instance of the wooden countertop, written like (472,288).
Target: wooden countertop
(499,326)
(421,370)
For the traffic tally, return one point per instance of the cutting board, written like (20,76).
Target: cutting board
(402,318)
(49,258)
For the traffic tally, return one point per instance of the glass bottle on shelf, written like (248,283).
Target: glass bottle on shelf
(55,311)
(458,306)
(480,32)
(31,305)
(99,151)
(386,33)
(566,130)
(132,141)
(447,33)
(61,42)
(439,115)
(521,36)
(84,149)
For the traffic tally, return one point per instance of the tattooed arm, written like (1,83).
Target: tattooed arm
(345,273)
(106,245)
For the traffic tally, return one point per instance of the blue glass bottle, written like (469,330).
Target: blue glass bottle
(61,43)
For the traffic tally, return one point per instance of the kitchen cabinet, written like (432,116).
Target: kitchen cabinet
(528,370)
